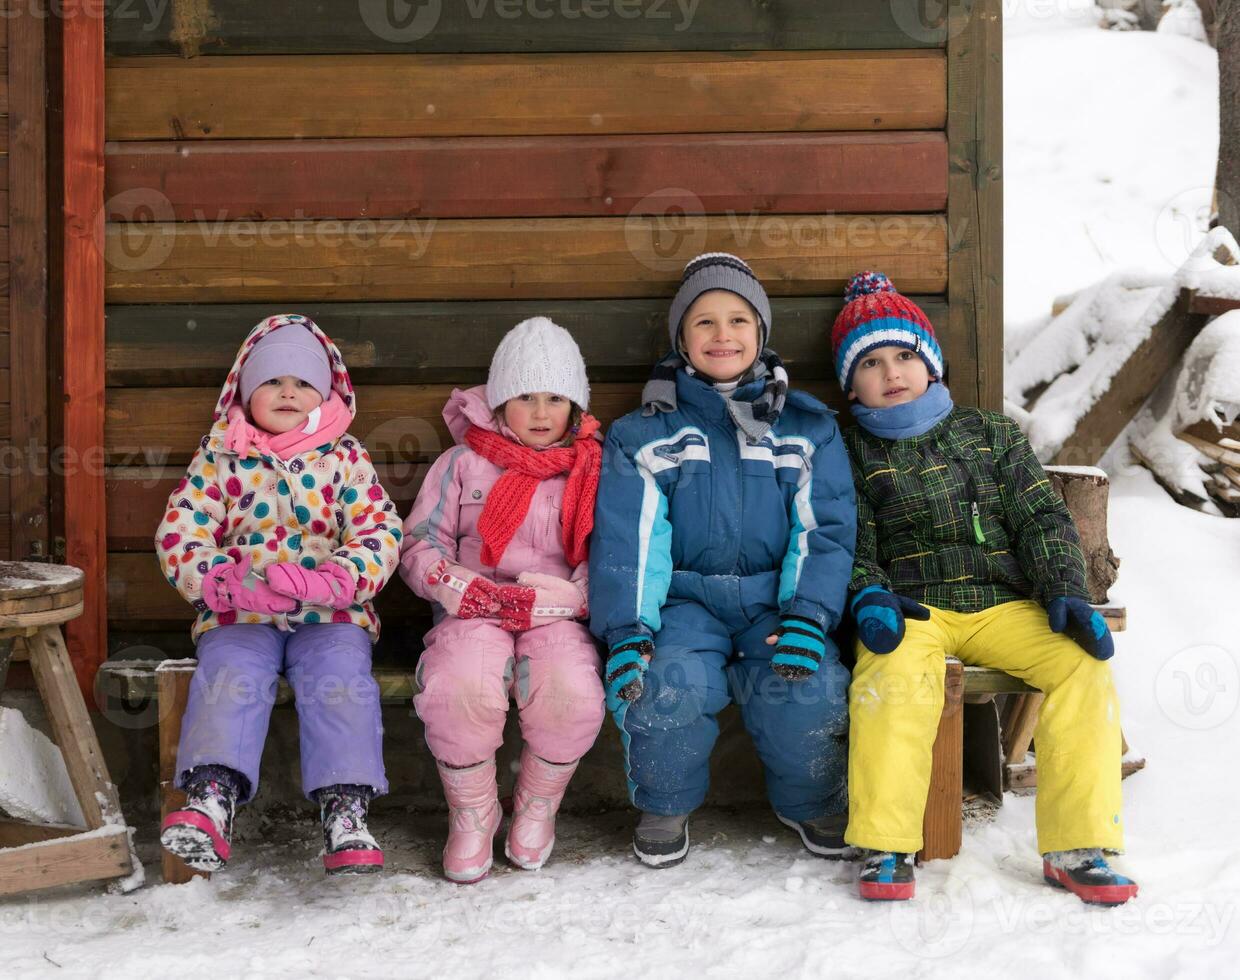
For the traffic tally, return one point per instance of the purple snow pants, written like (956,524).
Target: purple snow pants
(234,688)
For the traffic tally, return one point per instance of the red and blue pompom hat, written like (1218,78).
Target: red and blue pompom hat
(875,315)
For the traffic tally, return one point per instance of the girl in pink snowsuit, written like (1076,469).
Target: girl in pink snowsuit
(497,543)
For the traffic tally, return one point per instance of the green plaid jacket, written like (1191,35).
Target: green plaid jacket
(962,517)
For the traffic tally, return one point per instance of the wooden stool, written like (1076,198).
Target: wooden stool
(35,599)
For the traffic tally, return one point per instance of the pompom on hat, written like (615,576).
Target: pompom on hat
(537,355)
(875,315)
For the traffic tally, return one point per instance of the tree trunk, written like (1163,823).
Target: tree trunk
(1227,183)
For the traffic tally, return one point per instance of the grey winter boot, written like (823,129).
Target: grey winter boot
(661,841)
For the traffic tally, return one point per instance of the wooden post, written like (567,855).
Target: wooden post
(942,825)
(79,278)
(27,131)
(173,680)
(975,189)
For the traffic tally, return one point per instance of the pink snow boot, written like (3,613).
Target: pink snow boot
(200,833)
(540,788)
(474,816)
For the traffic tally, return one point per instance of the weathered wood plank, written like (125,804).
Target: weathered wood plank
(1154,357)
(161,427)
(405,343)
(79,278)
(242,27)
(942,822)
(339,96)
(508,177)
(24,206)
(85,858)
(975,189)
(511,258)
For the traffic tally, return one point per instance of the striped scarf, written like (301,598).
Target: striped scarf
(754,418)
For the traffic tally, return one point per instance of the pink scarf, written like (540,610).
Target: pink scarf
(325,424)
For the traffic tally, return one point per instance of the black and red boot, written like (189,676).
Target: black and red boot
(886,877)
(1087,875)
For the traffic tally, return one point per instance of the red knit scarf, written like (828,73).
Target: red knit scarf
(524,468)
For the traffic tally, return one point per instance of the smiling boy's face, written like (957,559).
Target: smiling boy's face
(889,376)
(282,404)
(719,335)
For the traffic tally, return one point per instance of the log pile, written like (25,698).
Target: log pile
(1222,448)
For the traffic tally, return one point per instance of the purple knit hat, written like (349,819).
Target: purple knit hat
(292,349)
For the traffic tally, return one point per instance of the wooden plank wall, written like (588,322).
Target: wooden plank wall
(419,188)
(6,397)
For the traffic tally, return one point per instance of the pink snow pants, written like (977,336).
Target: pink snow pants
(470,668)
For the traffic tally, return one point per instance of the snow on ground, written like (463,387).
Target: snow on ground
(1110,144)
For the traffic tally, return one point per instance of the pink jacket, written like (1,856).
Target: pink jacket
(444,519)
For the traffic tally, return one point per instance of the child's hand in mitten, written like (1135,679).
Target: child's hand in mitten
(1083,623)
(554,598)
(463,593)
(233,586)
(800,645)
(330,584)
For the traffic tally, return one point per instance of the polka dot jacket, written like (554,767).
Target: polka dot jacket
(323,505)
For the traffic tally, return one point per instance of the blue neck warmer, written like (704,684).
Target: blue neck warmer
(908,419)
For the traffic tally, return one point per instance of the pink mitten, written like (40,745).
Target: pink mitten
(554,598)
(463,593)
(236,587)
(330,584)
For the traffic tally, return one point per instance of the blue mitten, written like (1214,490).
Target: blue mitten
(1083,623)
(799,649)
(626,666)
(880,616)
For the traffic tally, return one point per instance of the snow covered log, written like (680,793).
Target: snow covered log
(1085,490)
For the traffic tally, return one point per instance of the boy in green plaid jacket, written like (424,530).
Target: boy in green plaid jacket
(963,549)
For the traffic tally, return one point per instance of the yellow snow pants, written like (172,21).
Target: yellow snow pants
(896,699)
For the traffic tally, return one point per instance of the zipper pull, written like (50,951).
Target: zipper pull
(977,525)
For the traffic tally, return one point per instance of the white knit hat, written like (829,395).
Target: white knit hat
(536,355)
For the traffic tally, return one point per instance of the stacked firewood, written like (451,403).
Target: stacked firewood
(1222,448)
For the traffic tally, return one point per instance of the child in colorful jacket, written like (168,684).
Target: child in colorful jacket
(963,549)
(280,536)
(497,542)
(723,543)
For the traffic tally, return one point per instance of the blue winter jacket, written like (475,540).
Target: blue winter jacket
(683,497)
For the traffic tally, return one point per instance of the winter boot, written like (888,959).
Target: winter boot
(540,788)
(886,877)
(474,816)
(348,845)
(823,836)
(1087,875)
(661,842)
(200,833)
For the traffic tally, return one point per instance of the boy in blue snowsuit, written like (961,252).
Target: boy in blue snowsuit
(723,542)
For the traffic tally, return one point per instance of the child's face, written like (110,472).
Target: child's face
(719,335)
(282,404)
(889,376)
(539,419)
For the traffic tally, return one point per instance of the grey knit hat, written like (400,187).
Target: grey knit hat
(719,270)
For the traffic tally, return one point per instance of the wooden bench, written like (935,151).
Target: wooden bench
(139,684)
